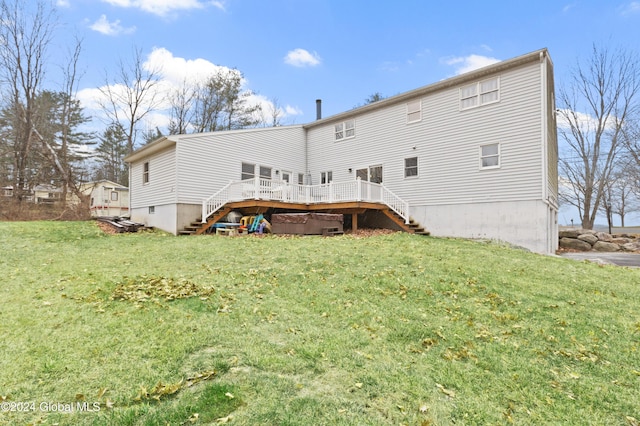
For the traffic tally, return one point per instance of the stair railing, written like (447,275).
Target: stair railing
(277,190)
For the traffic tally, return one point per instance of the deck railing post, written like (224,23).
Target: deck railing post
(256,188)
(204,211)
(358,189)
(331,191)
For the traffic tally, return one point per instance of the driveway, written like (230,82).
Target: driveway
(631,260)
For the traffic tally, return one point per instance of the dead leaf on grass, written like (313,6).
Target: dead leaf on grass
(145,288)
(450,393)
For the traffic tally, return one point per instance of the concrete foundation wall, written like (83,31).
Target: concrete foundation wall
(163,217)
(529,224)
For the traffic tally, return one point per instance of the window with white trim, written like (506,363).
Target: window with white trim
(490,156)
(326,177)
(265,172)
(414,111)
(480,93)
(345,130)
(248,171)
(145,172)
(300,178)
(114,196)
(411,167)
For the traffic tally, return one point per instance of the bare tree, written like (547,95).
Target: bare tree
(272,114)
(218,103)
(26,32)
(594,108)
(131,95)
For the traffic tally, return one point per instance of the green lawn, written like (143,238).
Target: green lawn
(151,329)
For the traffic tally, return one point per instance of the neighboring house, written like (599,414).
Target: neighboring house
(46,194)
(472,156)
(106,198)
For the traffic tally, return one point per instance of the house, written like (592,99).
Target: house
(472,156)
(106,198)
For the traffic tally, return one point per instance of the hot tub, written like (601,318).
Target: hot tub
(306,223)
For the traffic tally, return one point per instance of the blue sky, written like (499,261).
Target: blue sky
(341,51)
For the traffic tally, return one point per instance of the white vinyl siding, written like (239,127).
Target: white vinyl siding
(446,144)
(161,186)
(207,162)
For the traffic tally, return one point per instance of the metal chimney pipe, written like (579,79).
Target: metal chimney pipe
(318,109)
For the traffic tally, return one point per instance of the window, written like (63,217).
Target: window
(300,178)
(248,171)
(480,93)
(145,172)
(114,196)
(345,130)
(326,177)
(490,156)
(265,172)
(152,209)
(285,176)
(414,111)
(411,167)
(371,173)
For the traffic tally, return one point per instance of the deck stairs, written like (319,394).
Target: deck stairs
(412,227)
(197,227)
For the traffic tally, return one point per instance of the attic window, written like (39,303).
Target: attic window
(480,93)
(345,130)
(414,111)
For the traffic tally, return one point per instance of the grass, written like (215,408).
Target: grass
(152,329)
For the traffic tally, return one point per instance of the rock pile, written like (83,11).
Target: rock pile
(587,240)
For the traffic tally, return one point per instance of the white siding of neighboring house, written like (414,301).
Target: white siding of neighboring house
(159,192)
(451,195)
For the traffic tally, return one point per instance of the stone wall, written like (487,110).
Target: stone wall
(587,240)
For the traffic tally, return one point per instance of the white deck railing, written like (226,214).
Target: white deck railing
(278,190)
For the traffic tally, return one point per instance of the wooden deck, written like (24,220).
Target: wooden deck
(352,208)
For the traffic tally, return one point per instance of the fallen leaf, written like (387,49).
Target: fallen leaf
(446,391)
(229,395)
(225,419)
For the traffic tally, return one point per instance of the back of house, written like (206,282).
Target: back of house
(474,156)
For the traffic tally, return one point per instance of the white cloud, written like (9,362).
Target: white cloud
(469,63)
(164,7)
(302,58)
(290,110)
(102,25)
(568,7)
(63,3)
(173,72)
(631,8)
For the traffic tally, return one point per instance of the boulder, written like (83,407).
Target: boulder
(575,244)
(605,246)
(633,246)
(603,236)
(588,238)
(570,233)
(620,241)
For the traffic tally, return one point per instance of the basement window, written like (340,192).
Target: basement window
(152,209)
